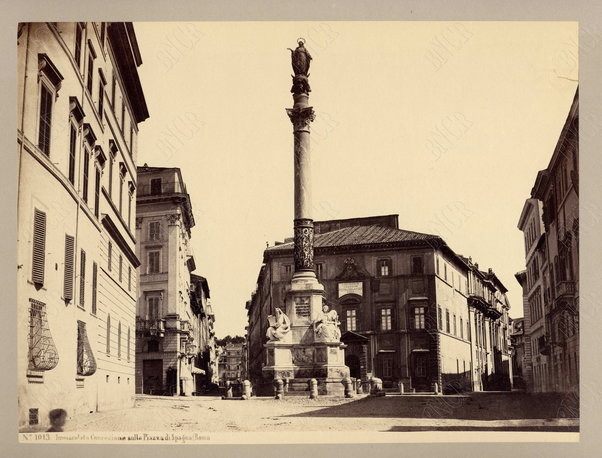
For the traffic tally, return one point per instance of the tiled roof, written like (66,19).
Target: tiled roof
(361,235)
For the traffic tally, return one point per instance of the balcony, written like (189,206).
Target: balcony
(565,289)
(154,327)
(161,188)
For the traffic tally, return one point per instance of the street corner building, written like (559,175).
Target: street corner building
(79,105)
(550,224)
(413,312)
(175,345)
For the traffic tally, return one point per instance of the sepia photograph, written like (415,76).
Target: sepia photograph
(301,231)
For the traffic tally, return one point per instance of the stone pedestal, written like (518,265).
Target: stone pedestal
(306,355)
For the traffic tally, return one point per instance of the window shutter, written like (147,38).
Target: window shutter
(68,282)
(94,286)
(39,247)
(110,256)
(82,279)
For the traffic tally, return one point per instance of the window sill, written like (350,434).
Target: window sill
(34,376)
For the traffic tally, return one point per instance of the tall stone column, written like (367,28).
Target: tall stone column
(304,342)
(301,115)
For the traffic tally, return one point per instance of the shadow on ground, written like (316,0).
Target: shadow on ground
(473,406)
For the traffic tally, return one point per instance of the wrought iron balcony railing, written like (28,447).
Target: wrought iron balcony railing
(152,327)
(565,289)
(161,188)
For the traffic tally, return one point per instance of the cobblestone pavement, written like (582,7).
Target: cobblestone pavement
(477,411)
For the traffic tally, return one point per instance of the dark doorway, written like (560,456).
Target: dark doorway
(172,380)
(152,376)
(385,369)
(353,363)
(420,372)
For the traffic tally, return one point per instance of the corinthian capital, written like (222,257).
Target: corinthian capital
(301,118)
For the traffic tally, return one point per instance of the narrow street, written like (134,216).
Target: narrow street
(473,412)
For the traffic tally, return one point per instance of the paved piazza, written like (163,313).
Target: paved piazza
(473,412)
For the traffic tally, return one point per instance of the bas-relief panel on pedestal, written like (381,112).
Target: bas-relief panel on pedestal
(303,355)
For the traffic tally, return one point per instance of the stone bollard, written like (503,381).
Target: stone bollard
(228,389)
(359,387)
(246,389)
(401,388)
(279,387)
(313,388)
(286,382)
(348,387)
(436,388)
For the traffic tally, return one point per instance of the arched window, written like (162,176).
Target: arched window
(109,334)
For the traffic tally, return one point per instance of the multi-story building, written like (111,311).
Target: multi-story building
(204,334)
(550,223)
(231,362)
(533,281)
(519,356)
(168,317)
(411,309)
(79,105)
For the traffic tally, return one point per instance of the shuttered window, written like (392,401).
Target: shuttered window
(82,279)
(129,278)
(120,268)
(94,286)
(78,43)
(97,194)
(110,257)
(119,340)
(90,81)
(128,344)
(109,334)
(101,96)
(86,171)
(45,119)
(39,247)
(69,264)
(72,148)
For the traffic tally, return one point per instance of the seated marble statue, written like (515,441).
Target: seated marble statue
(326,324)
(280,326)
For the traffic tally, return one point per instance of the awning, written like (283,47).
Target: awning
(196,370)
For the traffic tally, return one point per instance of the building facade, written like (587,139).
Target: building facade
(79,105)
(412,311)
(171,320)
(231,362)
(203,320)
(519,356)
(550,223)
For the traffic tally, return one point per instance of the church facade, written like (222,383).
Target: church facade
(412,311)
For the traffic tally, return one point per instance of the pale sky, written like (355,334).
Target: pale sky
(443,123)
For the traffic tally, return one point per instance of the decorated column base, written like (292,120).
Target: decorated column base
(306,355)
